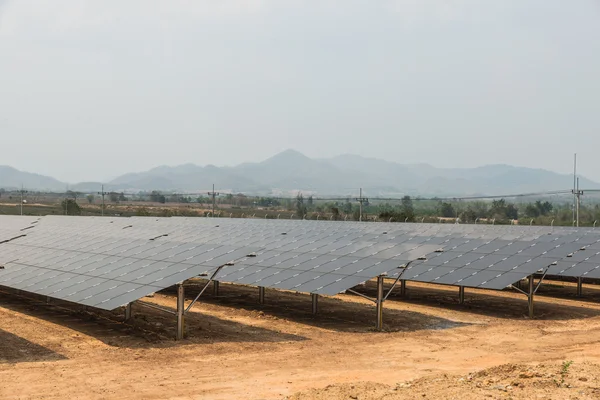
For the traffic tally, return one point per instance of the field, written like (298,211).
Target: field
(237,349)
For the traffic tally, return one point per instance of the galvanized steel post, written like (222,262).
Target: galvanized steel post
(128,312)
(379,325)
(215,288)
(180,311)
(261,295)
(530,296)
(579,286)
(461,294)
(315,303)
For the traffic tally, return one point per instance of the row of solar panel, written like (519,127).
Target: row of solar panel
(299,255)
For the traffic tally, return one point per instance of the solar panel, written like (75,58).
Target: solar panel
(108,262)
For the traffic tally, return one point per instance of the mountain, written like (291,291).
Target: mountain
(11,178)
(187,177)
(494,179)
(290,171)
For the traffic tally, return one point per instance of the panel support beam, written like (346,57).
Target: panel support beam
(379,303)
(461,295)
(261,295)
(315,303)
(532,288)
(530,294)
(211,279)
(180,311)
(128,312)
(579,287)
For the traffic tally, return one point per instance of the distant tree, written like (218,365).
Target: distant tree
(71,207)
(300,207)
(157,197)
(502,210)
(113,197)
(447,210)
(122,197)
(347,207)
(498,208)
(310,201)
(512,212)
(532,211)
(469,215)
(544,208)
(90,198)
(479,208)
(335,212)
(408,210)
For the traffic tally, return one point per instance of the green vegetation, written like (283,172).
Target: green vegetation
(536,211)
(564,371)
(71,207)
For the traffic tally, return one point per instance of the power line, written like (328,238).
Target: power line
(349,197)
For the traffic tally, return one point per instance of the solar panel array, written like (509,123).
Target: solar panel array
(582,260)
(496,263)
(108,262)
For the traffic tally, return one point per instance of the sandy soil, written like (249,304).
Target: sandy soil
(237,349)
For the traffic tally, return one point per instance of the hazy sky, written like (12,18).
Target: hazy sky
(92,89)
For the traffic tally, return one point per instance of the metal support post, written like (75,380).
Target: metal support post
(180,311)
(579,287)
(403,287)
(315,303)
(531,292)
(215,288)
(461,294)
(379,324)
(261,294)
(128,312)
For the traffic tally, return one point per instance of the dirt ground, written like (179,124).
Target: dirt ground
(432,347)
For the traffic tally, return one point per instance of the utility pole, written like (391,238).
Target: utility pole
(102,193)
(214,195)
(577,193)
(574,185)
(67,201)
(22,192)
(361,200)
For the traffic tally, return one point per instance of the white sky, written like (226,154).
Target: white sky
(93,89)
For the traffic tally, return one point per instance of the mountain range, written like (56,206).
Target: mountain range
(290,171)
